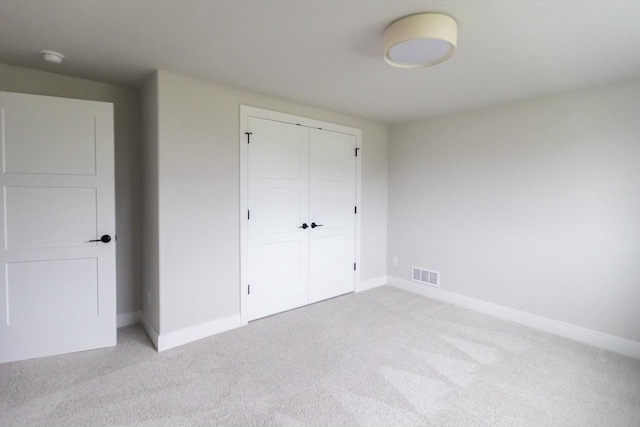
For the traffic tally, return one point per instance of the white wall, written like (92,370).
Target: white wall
(127,162)
(199,196)
(533,205)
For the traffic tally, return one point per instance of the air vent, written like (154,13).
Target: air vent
(428,277)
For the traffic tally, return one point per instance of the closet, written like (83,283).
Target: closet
(299,239)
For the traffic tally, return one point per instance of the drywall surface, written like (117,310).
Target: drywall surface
(150,212)
(533,205)
(127,162)
(199,195)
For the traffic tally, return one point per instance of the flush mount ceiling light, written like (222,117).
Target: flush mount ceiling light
(420,40)
(51,56)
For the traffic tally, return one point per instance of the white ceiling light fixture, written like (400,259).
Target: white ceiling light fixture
(420,40)
(51,56)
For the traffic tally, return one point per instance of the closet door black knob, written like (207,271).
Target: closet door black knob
(314,225)
(304,226)
(104,239)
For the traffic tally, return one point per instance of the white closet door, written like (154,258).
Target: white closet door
(278,196)
(57,289)
(332,202)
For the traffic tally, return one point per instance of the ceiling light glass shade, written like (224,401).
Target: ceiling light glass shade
(420,40)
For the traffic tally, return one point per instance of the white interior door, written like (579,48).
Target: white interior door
(332,197)
(57,289)
(278,196)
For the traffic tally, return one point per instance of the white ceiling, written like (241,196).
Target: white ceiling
(328,53)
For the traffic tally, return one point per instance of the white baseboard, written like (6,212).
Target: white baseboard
(576,333)
(164,342)
(365,285)
(196,332)
(128,319)
(150,330)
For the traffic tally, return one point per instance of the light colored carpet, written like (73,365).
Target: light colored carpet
(378,358)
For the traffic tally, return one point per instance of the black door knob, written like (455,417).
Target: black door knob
(304,226)
(104,239)
(314,225)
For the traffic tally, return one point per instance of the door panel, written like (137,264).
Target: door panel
(332,200)
(49,143)
(275,210)
(330,266)
(57,290)
(277,278)
(71,289)
(278,202)
(48,217)
(333,206)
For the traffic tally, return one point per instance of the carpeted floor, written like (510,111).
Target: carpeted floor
(383,357)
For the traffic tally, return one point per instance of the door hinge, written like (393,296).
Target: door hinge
(357,152)
(248,137)
(248,214)
(355,209)
(248,289)
(354,266)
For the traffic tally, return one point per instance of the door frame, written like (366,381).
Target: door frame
(246,112)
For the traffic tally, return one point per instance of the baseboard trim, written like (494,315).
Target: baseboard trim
(365,285)
(577,333)
(150,330)
(196,332)
(128,319)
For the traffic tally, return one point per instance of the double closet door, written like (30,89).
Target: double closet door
(301,217)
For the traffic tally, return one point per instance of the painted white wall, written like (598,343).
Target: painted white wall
(532,205)
(127,162)
(199,196)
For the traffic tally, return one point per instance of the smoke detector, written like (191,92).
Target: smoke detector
(52,57)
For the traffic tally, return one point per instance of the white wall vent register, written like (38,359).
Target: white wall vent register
(428,277)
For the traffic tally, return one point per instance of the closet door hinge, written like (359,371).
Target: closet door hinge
(248,289)
(357,149)
(355,209)
(248,214)
(354,266)
(248,137)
